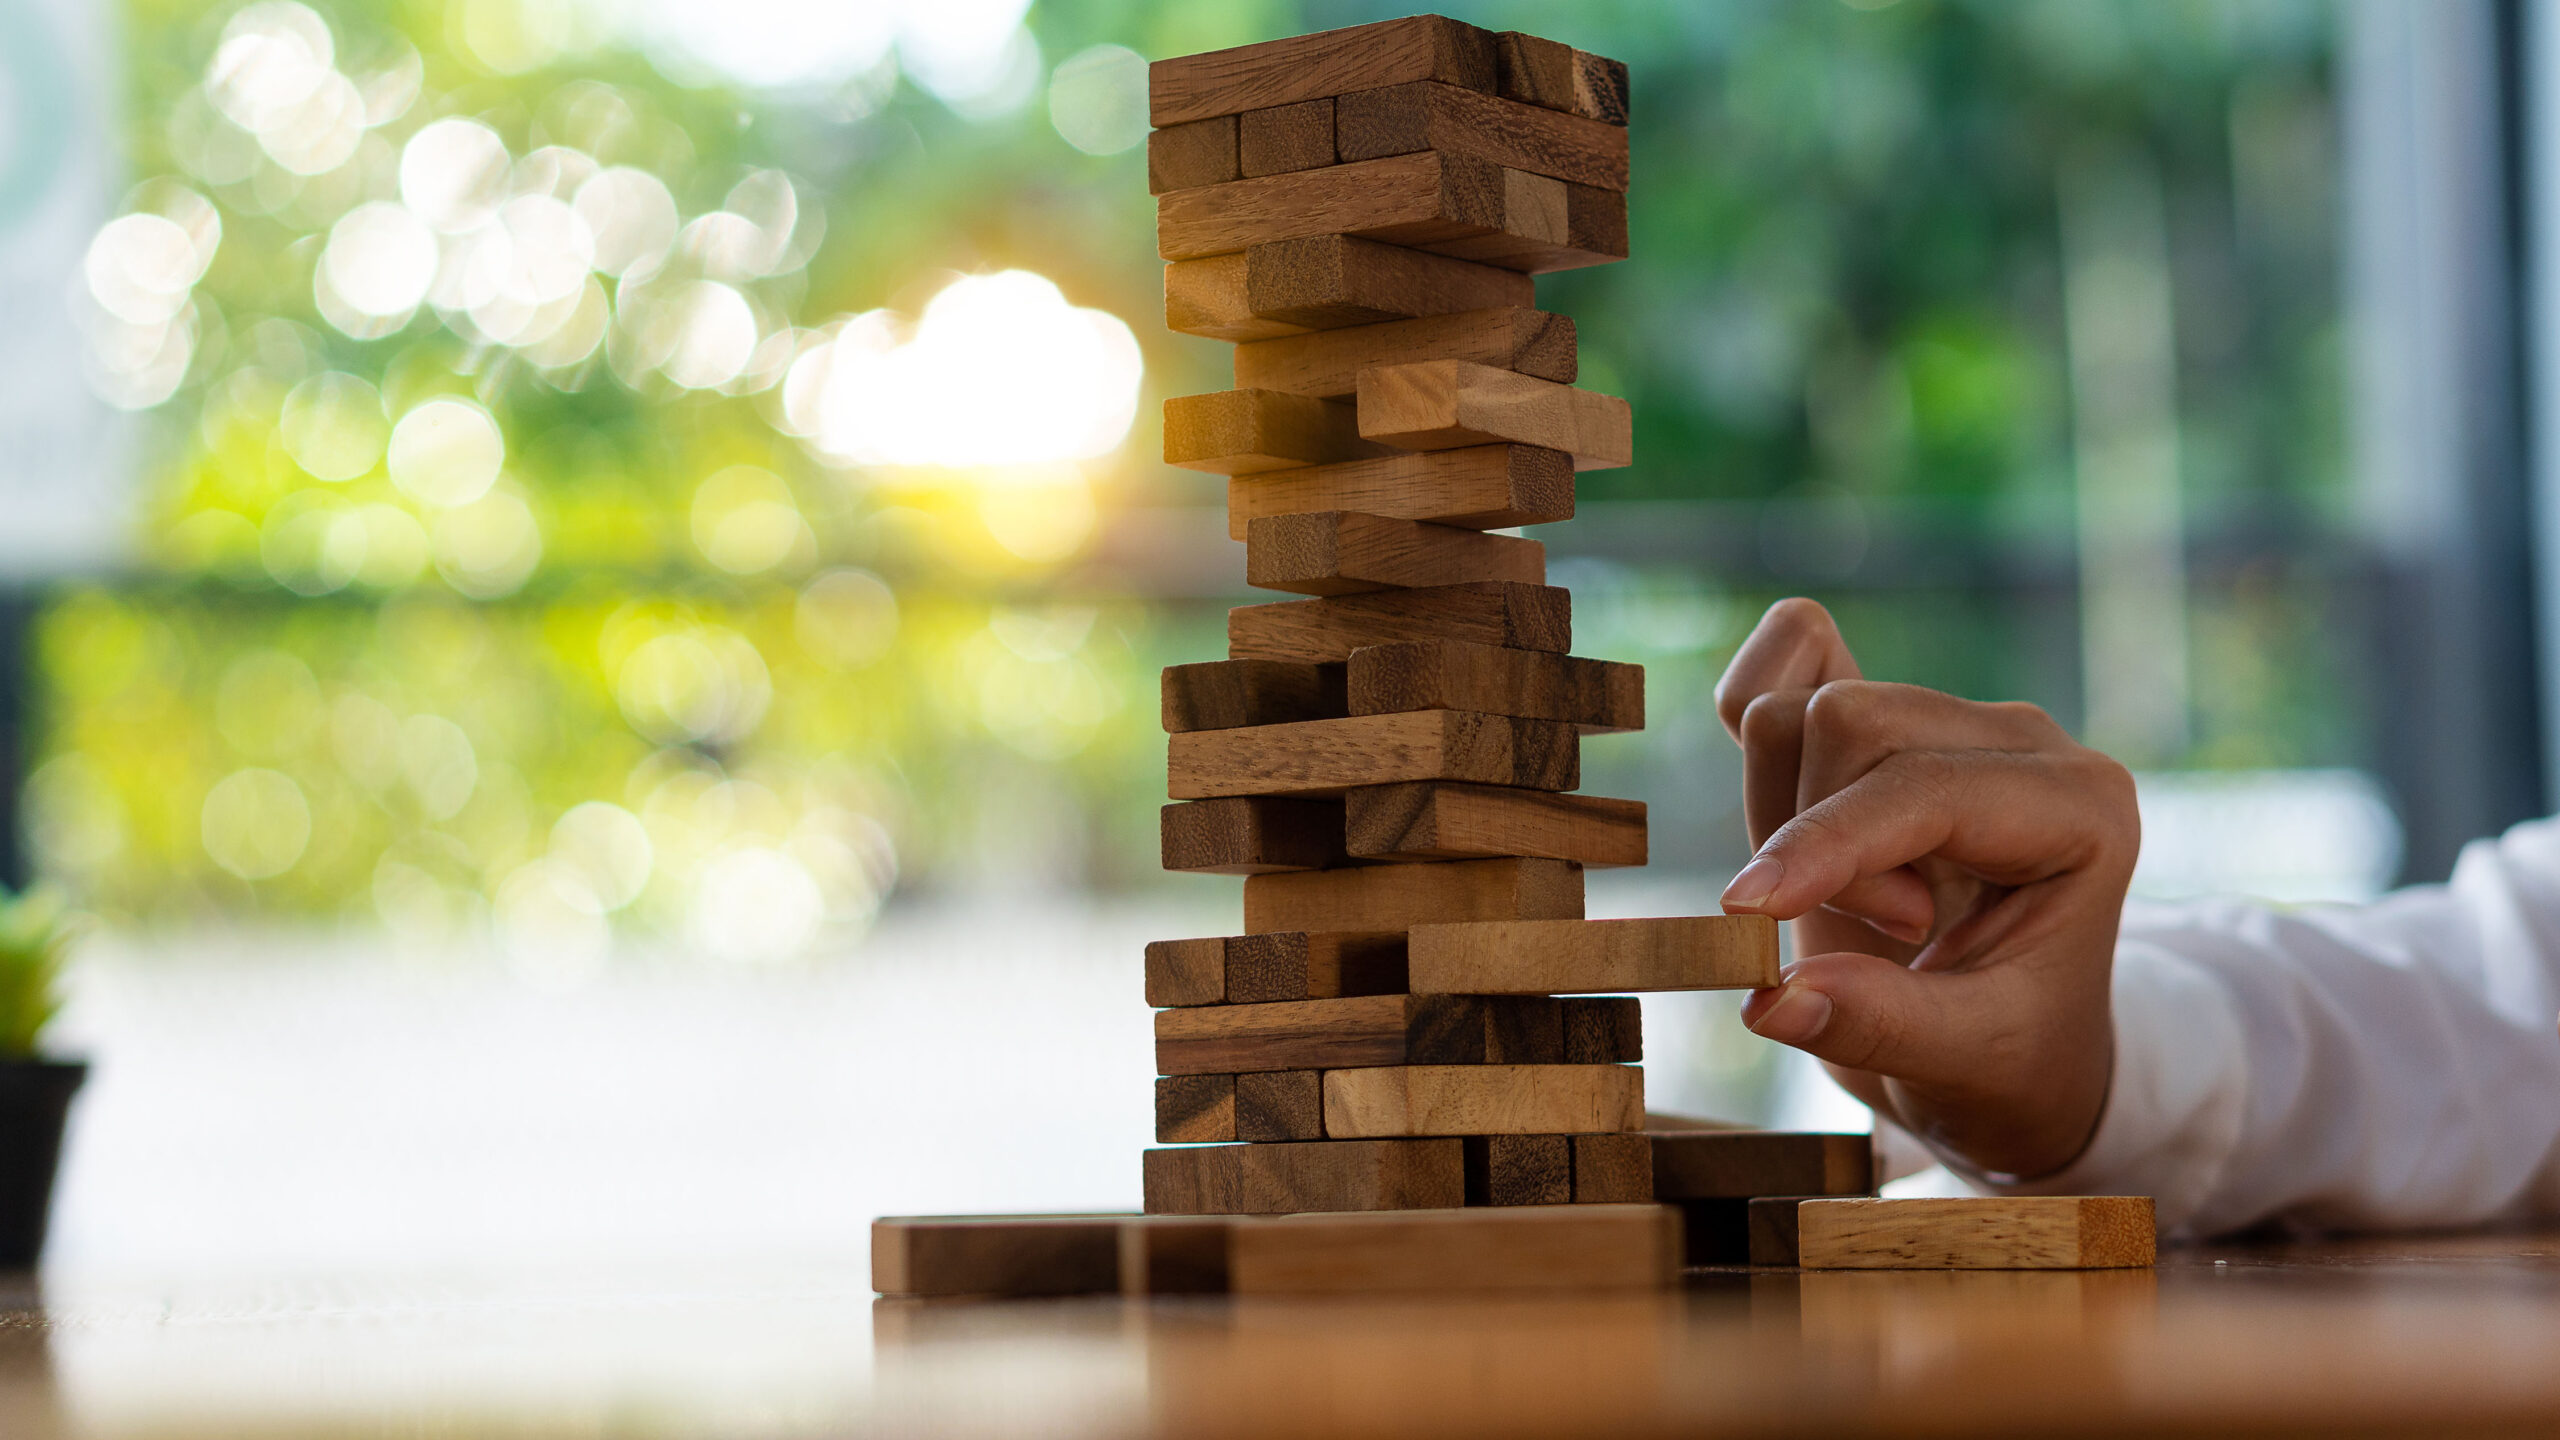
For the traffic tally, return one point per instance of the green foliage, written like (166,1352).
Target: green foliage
(36,931)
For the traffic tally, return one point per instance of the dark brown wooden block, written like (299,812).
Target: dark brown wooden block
(1483,488)
(1398,897)
(1519,1170)
(1327,363)
(1310,1175)
(1242,432)
(1447,404)
(1612,1169)
(1513,616)
(1187,972)
(1442,821)
(1324,281)
(1599,696)
(1252,835)
(1203,152)
(1555,76)
(1422,115)
(1230,694)
(1006,1254)
(1334,552)
(1605,1030)
(1771,1226)
(1281,1105)
(1453,205)
(1739,1164)
(1287,137)
(1360,1031)
(1334,62)
(1313,965)
(1326,757)
(1195,1109)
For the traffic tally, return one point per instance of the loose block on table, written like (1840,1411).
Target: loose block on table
(1334,552)
(1599,696)
(1519,1169)
(999,1254)
(1333,62)
(1738,1164)
(1242,432)
(1453,205)
(1307,1175)
(1325,757)
(1611,1169)
(1483,612)
(1541,957)
(1364,1030)
(1327,363)
(1484,487)
(1252,835)
(1195,1109)
(1230,694)
(1446,404)
(1482,1100)
(1425,115)
(1556,76)
(1286,137)
(1280,1105)
(2023,1232)
(1400,897)
(1286,965)
(1203,152)
(1447,821)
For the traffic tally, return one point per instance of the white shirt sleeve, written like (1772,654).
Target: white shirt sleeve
(2384,1066)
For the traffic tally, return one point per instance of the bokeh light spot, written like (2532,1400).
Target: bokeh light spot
(256,823)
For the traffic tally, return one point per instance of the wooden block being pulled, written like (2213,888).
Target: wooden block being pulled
(1287,137)
(1424,115)
(1203,152)
(2022,1232)
(1252,835)
(1450,204)
(1739,1164)
(1612,1169)
(1334,62)
(1327,363)
(1601,697)
(1549,957)
(1280,1105)
(1243,432)
(1603,1030)
(1444,404)
(1287,965)
(1414,1100)
(1324,281)
(1309,1175)
(1231,694)
(1555,76)
(1772,1228)
(1520,1170)
(1483,612)
(1365,1030)
(1327,757)
(1445,821)
(1001,1254)
(1195,1109)
(1334,552)
(1400,897)
(1485,487)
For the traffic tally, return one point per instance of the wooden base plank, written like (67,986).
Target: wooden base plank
(1333,552)
(1603,1030)
(1195,1109)
(1440,820)
(2025,1232)
(1447,404)
(1739,1164)
(1704,952)
(1242,432)
(1327,363)
(1556,76)
(1310,1175)
(1333,62)
(1290,137)
(1289,965)
(1401,897)
(1422,115)
(1251,835)
(1417,1100)
(1482,488)
(1280,1105)
(1364,1030)
(1231,694)
(1518,617)
(1612,1169)
(1519,1170)
(1601,697)
(1453,205)
(998,1254)
(1327,757)
(1203,152)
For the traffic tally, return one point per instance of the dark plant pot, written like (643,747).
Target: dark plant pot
(35,1100)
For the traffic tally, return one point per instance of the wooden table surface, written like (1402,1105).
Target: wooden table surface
(2443,1335)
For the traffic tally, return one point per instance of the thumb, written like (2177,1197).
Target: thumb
(1868,1013)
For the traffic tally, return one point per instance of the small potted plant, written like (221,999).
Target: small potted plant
(36,930)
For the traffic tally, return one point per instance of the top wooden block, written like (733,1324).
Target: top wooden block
(1310,67)
(1559,77)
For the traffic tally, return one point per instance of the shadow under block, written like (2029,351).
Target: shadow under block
(1333,62)
(1231,694)
(1327,757)
(997,1254)
(1252,835)
(1320,282)
(1442,821)
(1418,1100)
(1335,552)
(1307,1175)
(1195,1109)
(1483,612)
(1358,1031)
(1598,696)
(1740,1164)
(1286,965)
(1286,137)
(1548,957)
(1424,115)
(1280,1105)
(1452,205)
(1400,897)
(1519,1170)
(1771,1223)
(1484,487)
(2025,1232)
(1244,432)
(1183,157)
(1556,76)
(1446,404)
(1611,1169)
(1327,363)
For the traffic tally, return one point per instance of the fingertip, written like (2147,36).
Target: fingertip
(1789,1014)
(1751,888)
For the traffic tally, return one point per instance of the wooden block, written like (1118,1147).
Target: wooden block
(1252,835)
(1444,404)
(1738,1164)
(1325,281)
(1310,1175)
(1203,152)
(2024,1232)
(1533,1248)
(1327,363)
(1207,298)
(1452,205)
(1194,1109)
(1601,697)
(1440,821)
(1280,1105)
(1334,552)
(1422,115)
(1558,77)
(1603,1030)
(1288,137)
(1482,488)
(1549,957)
(1187,972)
(1313,965)
(1326,757)
(1303,67)
(1483,612)
(1230,694)
(1716,1232)
(1482,1100)
(1612,1169)
(1243,432)
(1173,1255)
(1772,1228)
(1000,1254)
(1520,1170)
(1365,1030)
(1399,897)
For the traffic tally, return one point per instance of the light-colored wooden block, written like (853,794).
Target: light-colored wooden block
(1451,204)
(1003,1254)
(1327,363)
(1418,1100)
(1326,281)
(1601,697)
(1739,1164)
(1484,487)
(1543,72)
(1283,965)
(1230,694)
(1444,404)
(1273,1105)
(1483,612)
(2024,1232)
(1327,757)
(1304,67)
(1195,1109)
(1252,835)
(1446,821)
(1287,137)
(1360,1031)
(1243,432)
(1401,897)
(1422,115)
(1612,1169)
(1203,152)
(1549,957)
(1334,552)
(1207,297)
(1309,1175)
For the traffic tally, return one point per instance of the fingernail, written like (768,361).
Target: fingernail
(1753,887)
(1909,932)
(1798,1015)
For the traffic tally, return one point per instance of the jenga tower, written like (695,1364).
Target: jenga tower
(1391,763)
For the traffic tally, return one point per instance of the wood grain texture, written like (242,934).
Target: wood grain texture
(1454,205)
(1363,1030)
(1333,62)
(998,1254)
(1327,363)
(1243,432)
(1203,152)
(1251,835)
(1424,115)
(1420,1100)
(1737,1164)
(1280,1105)
(2022,1232)
(1195,1109)
(1400,897)
(1231,694)
(1327,757)
(1705,952)
(1334,552)
(1187,972)
(1285,965)
(1485,612)
(1515,1248)
(1446,404)
(1519,1170)
(1602,1030)
(1309,1175)
(1207,298)
(1612,1169)
(1446,821)
(1771,1221)
(1601,697)
(1324,281)
(1289,137)
(1484,487)
(1556,76)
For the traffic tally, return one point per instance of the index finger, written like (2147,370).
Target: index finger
(1794,647)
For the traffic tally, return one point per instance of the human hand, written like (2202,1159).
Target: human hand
(1954,873)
